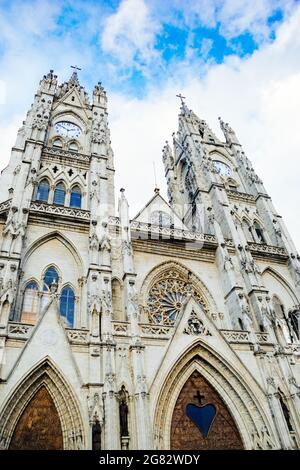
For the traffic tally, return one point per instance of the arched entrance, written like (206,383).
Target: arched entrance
(43,410)
(39,426)
(201,419)
(236,397)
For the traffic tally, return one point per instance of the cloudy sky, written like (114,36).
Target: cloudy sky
(238,59)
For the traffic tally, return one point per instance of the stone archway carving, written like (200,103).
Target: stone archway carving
(240,398)
(45,374)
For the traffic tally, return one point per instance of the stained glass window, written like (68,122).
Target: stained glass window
(67,305)
(75,199)
(43,191)
(30,303)
(59,194)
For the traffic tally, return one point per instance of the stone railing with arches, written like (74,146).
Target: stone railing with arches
(69,212)
(19,330)
(241,196)
(239,336)
(169,232)
(56,151)
(4,206)
(264,249)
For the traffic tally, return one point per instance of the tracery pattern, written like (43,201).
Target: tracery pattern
(166,298)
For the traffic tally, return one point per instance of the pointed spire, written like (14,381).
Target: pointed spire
(99,95)
(74,77)
(183,108)
(48,82)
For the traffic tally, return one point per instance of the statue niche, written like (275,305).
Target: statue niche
(123,411)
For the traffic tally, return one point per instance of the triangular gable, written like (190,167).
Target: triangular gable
(188,331)
(48,339)
(149,214)
(71,98)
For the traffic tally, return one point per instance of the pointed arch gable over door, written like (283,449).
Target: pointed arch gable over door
(44,382)
(236,396)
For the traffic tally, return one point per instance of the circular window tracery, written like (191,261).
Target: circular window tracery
(166,298)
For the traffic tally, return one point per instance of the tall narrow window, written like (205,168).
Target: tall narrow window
(51,276)
(30,303)
(259,233)
(294,319)
(67,305)
(75,199)
(43,191)
(59,194)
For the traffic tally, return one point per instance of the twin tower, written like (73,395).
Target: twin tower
(119,333)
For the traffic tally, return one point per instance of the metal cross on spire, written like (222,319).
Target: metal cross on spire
(75,67)
(181,98)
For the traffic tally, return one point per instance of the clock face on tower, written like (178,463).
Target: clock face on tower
(222,168)
(67,129)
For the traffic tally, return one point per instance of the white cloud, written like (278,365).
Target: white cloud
(130,33)
(234,17)
(259,96)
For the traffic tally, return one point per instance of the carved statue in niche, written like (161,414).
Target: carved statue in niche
(132,308)
(96,435)
(286,413)
(105,246)
(94,243)
(123,410)
(106,301)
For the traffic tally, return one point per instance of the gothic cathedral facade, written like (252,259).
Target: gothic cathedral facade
(177,329)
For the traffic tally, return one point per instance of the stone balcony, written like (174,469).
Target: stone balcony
(262,250)
(65,154)
(61,211)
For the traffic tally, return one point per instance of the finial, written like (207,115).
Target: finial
(122,190)
(156,190)
(181,99)
(75,67)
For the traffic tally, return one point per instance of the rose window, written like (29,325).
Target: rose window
(167,296)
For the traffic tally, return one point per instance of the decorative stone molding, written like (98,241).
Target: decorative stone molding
(114,221)
(120,328)
(263,250)
(19,330)
(262,337)
(195,326)
(233,336)
(4,206)
(158,331)
(238,336)
(77,336)
(64,153)
(240,196)
(59,210)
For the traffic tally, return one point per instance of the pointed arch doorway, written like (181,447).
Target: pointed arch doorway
(39,426)
(201,419)
(42,412)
